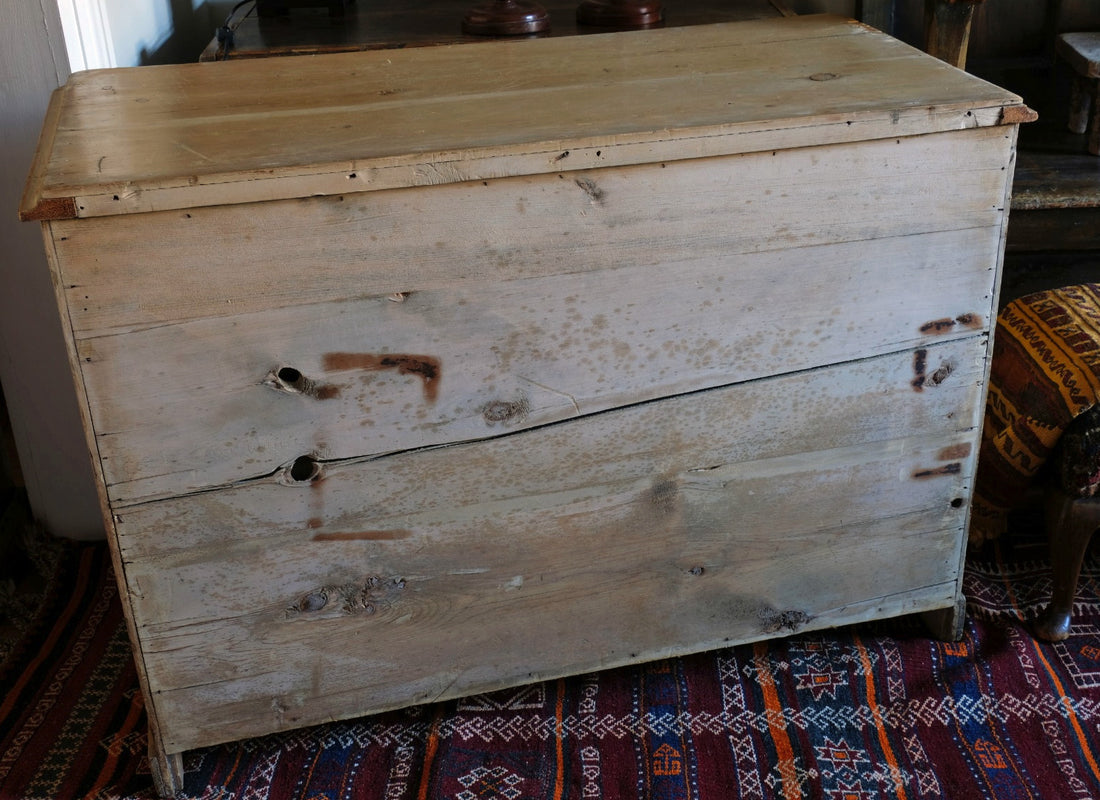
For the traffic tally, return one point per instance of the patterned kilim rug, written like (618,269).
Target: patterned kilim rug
(861,713)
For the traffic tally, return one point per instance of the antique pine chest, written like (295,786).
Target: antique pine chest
(414,374)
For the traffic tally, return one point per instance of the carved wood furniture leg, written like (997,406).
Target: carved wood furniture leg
(947,624)
(1094,136)
(947,29)
(506,18)
(1080,104)
(1070,525)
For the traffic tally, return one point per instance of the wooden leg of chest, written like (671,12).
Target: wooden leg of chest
(167,770)
(946,624)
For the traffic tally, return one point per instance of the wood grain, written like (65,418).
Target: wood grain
(666,527)
(650,342)
(372,245)
(518,331)
(434,115)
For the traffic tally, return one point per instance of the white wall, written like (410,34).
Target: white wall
(34,369)
(129,33)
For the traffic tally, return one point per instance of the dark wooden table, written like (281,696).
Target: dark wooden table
(375,25)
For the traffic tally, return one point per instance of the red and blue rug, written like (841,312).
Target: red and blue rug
(861,713)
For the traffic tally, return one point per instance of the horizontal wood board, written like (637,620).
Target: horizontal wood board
(676,525)
(183,136)
(517,331)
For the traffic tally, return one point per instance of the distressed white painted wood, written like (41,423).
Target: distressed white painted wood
(401,118)
(633,534)
(391,356)
(177,411)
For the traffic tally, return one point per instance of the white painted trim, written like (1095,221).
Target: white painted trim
(87,34)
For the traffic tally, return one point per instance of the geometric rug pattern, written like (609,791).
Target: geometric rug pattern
(865,712)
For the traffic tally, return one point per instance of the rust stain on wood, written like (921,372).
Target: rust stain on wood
(954,468)
(969,320)
(359,536)
(920,363)
(427,368)
(956,451)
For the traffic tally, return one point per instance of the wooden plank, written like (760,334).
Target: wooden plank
(225,261)
(667,527)
(141,140)
(874,399)
(176,411)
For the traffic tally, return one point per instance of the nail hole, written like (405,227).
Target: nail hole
(289,375)
(957,502)
(304,468)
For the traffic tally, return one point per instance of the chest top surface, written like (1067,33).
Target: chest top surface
(153,138)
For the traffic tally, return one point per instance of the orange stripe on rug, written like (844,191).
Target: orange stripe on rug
(559,735)
(137,705)
(75,600)
(880,727)
(429,754)
(1071,716)
(774,709)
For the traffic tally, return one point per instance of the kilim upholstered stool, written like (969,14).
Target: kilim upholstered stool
(1041,424)
(1082,52)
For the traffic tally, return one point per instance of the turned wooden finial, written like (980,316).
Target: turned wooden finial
(620,13)
(506,18)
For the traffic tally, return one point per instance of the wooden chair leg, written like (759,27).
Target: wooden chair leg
(1070,525)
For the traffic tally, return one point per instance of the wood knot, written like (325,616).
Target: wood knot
(349,598)
(772,621)
(505,410)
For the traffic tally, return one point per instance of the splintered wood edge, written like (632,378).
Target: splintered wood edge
(50,208)
(1014,115)
(32,206)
